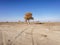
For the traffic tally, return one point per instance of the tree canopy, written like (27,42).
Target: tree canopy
(28,16)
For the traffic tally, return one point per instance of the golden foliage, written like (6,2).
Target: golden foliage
(28,16)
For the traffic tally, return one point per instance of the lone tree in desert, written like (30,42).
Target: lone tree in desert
(28,16)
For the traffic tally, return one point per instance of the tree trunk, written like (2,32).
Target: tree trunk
(28,22)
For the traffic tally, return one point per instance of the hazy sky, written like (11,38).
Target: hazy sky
(42,10)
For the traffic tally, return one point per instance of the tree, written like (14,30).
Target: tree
(28,16)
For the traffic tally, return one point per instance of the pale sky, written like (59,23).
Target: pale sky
(42,10)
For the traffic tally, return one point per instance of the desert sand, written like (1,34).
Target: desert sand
(29,34)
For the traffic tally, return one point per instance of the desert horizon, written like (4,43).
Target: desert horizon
(29,22)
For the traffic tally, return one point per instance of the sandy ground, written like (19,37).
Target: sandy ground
(30,34)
